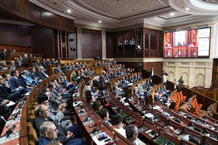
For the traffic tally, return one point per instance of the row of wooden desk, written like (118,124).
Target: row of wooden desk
(152,131)
(11,132)
(183,126)
(95,130)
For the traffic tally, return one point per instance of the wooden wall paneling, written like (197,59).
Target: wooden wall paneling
(158,67)
(146,42)
(161,44)
(60,37)
(43,41)
(57,44)
(91,43)
(15,35)
(110,45)
(129,50)
(152,43)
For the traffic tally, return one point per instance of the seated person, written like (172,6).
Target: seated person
(49,133)
(57,115)
(132,135)
(118,125)
(104,114)
(68,135)
(4,112)
(97,106)
(55,143)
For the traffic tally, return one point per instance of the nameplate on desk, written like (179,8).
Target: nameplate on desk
(88,122)
(16,111)
(82,113)
(130,121)
(12,121)
(148,131)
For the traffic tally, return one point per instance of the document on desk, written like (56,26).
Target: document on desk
(12,136)
(149,115)
(102,138)
(11,103)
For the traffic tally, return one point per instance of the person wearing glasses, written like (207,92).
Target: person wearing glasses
(48,133)
(69,136)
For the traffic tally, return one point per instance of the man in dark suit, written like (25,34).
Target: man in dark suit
(152,74)
(14,82)
(58,69)
(40,73)
(67,136)
(4,54)
(6,92)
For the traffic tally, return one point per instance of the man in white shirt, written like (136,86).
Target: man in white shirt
(117,125)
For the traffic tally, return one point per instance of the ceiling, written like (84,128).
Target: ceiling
(120,13)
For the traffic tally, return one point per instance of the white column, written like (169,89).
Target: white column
(215,40)
(79,43)
(103,39)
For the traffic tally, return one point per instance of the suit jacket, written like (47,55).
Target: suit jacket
(4,55)
(43,141)
(3,91)
(14,83)
(61,131)
(57,70)
(40,75)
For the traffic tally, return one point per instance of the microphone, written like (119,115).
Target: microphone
(10,131)
(2,117)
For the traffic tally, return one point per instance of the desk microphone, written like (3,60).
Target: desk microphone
(10,131)
(2,117)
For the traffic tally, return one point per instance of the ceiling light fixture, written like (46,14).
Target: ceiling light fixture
(47,14)
(172,14)
(99,21)
(187,9)
(69,11)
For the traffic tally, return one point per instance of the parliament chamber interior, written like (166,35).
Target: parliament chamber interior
(100,72)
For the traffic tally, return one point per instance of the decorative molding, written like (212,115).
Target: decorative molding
(153,59)
(35,14)
(129,59)
(16,22)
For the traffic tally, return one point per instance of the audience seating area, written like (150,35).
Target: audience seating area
(152,117)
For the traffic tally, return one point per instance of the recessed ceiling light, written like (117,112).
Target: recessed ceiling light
(187,9)
(99,21)
(172,14)
(69,11)
(47,14)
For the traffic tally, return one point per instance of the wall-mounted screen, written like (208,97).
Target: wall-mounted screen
(187,43)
